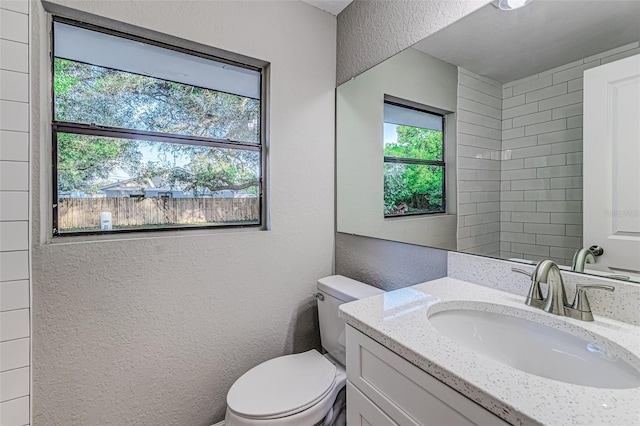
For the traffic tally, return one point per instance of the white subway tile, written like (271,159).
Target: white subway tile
(507,124)
(530,217)
(573,122)
(478,164)
(479,85)
(14,236)
(561,136)
(505,216)
(14,205)
(532,151)
(560,101)
(14,384)
(520,81)
(14,295)
(559,171)
(14,176)
(567,147)
(21,6)
(513,102)
(529,184)
(574,85)
(516,111)
(473,106)
(512,164)
(544,228)
(574,194)
(545,161)
(574,158)
(567,111)
(14,116)
(548,127)
(560,206)
(464,232)
(530,249)
(14,86)
(479,119)
(517,237)
(547,92)
(487,207)
(519,174)
(531,85)
(512,133)
(507,92)
(483,98)
(14,325)
(488,174)
(505,185)
(474,129)
(466,209)
(544,195)
(518,206)
(538,117)
(484,197)
(14,146)
(619,56)
(566,182)
(15,412)
(563,67)
(14,265)
(564,252)
(14,354)
(511,227)
(572,73)
(558,241)
(14,56)
(14,26)
(511,196)
(574,218)
(481,78)
(519,142)
(489,228)
(574,230)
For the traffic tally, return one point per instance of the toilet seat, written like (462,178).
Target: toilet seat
(289,390)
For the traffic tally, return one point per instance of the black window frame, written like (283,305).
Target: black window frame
(124,133)
(439,163)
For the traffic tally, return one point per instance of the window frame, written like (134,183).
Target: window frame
(126,133)
(439,163)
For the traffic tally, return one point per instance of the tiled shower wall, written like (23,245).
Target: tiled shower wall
(541,171)
(14,213)
(479,146)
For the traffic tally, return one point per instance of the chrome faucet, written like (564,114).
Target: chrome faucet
(582,256)
(547,271)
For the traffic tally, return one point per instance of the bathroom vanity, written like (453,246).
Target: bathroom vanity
(410,361)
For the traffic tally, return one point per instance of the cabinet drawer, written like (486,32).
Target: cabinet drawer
(362,412)
(404,392)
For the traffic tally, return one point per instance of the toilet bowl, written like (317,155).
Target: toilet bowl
(292,390)
(305,389)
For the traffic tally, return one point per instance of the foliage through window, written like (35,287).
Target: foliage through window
(149,137)
(414,167)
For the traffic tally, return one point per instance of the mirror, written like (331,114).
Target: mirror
(510,134)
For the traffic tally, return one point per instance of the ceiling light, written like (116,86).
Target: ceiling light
(512,4)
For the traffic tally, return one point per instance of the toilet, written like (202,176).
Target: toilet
(305,389)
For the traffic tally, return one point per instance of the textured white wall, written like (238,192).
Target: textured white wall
(412,76)
(155,329)
(370,31)
(14,213)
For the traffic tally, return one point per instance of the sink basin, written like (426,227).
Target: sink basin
(539,349)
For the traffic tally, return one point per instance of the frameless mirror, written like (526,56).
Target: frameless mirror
(510,134)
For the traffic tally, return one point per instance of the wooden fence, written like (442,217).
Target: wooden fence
(80,213)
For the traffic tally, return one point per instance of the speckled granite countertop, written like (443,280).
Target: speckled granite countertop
(398,321)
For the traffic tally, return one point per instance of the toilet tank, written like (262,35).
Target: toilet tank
(337,290)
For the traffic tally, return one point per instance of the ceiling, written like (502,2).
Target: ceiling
(507,46)
(332,6)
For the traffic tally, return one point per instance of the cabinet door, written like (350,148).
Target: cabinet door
(407,394)
(362,412)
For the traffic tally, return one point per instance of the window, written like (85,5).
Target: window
(414,167)
(148,136)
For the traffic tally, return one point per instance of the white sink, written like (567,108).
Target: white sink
(540,349)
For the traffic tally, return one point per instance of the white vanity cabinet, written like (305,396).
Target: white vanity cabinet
(385,389)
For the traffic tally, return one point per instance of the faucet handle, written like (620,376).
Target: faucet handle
(581,302)
(523,272)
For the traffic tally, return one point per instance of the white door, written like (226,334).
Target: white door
(612,163)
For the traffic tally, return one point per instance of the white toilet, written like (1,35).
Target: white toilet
(305,389)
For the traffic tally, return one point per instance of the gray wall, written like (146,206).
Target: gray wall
(387,264)
(154,329)
(370,31)
(14,214)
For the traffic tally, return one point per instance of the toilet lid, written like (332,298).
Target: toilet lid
(282,386)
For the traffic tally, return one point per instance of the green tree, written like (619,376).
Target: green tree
(96,95)
(414,187)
